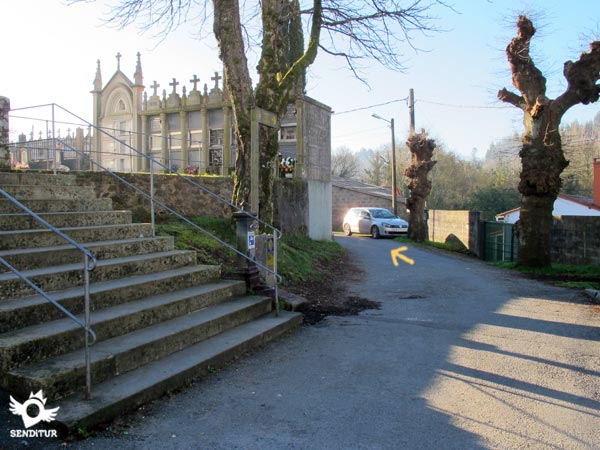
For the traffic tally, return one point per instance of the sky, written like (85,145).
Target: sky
(50,49)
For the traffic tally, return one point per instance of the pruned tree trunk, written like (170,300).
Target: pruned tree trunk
(542,157)
(421,150)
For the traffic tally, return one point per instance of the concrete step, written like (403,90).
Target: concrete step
(50,205)
(40,179)
(132,389)
(35,258)
(62,277)
(183,322)
(27,311)
(64,219)
(40,192)
(43,237)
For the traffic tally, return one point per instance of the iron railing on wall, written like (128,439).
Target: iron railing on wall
(63,145)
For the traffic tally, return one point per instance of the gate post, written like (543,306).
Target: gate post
(4,156)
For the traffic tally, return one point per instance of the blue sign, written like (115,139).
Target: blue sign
(251,243)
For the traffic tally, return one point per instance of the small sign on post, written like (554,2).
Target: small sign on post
(251,240)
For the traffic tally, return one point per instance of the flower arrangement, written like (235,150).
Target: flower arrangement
(286,166)
(20,166)
(192,170)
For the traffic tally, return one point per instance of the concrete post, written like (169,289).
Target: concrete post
(4,156)
(246,244)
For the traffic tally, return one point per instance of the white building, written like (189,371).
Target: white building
(566,205)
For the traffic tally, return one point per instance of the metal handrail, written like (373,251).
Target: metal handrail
(277,233)
(89,264)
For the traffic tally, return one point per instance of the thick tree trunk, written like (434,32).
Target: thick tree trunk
(276,80)
(228,31)
(542,161)
(542,157)
(419,185)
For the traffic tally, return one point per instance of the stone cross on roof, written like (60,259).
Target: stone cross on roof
(216,79)
(119,60)
(195,81)
(155,86)
(175,83)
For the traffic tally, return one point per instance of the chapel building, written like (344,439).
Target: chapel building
(190,131)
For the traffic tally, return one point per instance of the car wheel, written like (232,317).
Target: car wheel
(347,230)
(375,232)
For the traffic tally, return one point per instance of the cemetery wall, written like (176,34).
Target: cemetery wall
(174,192)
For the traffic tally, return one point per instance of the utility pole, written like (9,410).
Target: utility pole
(411,110)
(394,186)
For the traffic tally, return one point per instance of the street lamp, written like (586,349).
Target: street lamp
(391,122)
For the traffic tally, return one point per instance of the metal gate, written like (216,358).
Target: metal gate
(500,242)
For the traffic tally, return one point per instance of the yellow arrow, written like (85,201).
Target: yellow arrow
(397,253)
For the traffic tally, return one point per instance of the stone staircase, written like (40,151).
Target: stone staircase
(161,318)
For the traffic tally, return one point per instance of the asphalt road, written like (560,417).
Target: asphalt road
(461,355)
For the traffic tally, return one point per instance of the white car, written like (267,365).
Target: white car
(377,222)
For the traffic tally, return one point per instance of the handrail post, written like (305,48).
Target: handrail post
(275,280)
(88,369)
(54,150)
(152,197)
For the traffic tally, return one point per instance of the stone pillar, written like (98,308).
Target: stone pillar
(145,164)
(184,140)
(164,139)
(226,140)
(4,156)
(246,244)
(205,139)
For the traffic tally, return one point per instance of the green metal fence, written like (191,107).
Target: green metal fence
(500,242)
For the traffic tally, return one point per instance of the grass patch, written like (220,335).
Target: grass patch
(209,251)
(300,258)
(576,277)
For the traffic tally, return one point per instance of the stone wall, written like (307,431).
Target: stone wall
(183,197)
(314,147)
(460,227)
(4,110)
(290,198)
(576,240)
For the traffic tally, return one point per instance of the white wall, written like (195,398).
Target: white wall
(319,210)
(562,207)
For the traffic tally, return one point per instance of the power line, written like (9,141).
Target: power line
(371,106)
(449,105)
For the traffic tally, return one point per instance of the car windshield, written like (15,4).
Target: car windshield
(382,214)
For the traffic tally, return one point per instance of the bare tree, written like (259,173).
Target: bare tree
(378,168)
(542,156)
(419,185)
(355,32)
(344,163)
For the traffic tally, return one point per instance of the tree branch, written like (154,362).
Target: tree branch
(310,54)
(526,77)
(510,97)
(582,77)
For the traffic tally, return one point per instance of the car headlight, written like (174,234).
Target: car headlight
(385,224)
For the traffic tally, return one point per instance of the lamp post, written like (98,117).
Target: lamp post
(391,122)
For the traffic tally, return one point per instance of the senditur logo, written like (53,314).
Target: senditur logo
(43,414)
